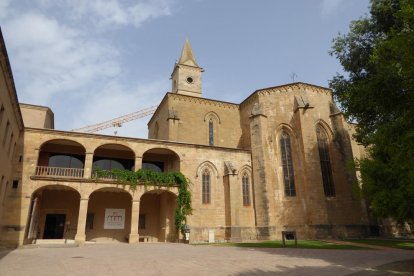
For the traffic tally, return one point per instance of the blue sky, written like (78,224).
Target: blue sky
(92,61)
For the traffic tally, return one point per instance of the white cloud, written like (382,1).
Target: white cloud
(55,58)
(330,6)
(114,12)
(61,59)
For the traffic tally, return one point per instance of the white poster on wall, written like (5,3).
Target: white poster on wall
(114,219)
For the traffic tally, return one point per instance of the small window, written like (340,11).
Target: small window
(206,187)
(210,132)
(287,164)
(15,184)
(20,158)
(89,221)
(141,223)
(325,161)
(246,189)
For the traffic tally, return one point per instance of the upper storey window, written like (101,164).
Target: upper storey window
(287,164)
(211,132)
(326,169)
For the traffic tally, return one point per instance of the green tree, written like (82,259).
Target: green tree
(377,91)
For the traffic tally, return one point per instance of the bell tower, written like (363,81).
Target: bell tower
(186,76)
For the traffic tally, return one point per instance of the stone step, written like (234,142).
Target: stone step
(54,241)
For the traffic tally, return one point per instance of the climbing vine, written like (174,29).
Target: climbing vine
(149,177)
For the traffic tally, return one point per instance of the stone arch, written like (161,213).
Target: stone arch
(61,157)
(209,165)
(109,215)
(53,213)
(245,169)
(285,127)
(63,141)
(108,156)
(164,158)
(321,123)
(212,114)
(157,216)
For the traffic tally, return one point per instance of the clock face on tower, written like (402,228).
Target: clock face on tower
(189,80)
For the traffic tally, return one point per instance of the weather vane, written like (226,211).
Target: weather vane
(293,76)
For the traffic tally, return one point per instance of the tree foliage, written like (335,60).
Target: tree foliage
(377,91)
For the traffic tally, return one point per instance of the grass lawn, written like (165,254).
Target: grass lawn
(401,244)
(310,244)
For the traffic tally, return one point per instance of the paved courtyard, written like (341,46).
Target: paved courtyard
(180,259)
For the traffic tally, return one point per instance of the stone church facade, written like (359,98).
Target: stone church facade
(276,161)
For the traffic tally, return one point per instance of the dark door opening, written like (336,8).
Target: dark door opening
(54,226)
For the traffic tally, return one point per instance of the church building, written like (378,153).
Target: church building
(277,161)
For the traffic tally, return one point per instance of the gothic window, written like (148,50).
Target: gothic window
(326,169)
(210,132)
(287,164)
(206,189)
(246,189)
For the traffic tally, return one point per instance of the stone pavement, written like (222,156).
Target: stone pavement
(180,259)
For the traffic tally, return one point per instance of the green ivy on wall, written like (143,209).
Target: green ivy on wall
(148,177)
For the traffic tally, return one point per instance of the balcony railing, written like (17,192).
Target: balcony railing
(59,172)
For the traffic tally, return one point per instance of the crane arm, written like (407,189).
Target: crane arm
(117,122)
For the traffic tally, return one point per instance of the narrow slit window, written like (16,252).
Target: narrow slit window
(206,189)
(246,190)
(211,132)
(287,164)
(326,168)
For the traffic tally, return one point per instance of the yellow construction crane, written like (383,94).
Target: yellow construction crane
(117,122)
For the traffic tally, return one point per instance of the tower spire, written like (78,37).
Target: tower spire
(186,76)
(187,56)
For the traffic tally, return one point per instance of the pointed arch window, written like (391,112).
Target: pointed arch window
(326,169)
(246,189)
(206,187)
(287,164)
(211,132)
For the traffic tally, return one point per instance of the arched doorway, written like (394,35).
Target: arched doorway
(157,216)
(161,160)
(53,213)
(109,215)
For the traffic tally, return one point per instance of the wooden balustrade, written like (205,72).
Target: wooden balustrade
(59,172)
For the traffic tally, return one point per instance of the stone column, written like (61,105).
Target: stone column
(87,170)
(263,192)
(83,211)
(134,236)
(235,204)
(138,163)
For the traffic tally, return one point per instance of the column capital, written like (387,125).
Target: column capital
(85,199)
(89,153)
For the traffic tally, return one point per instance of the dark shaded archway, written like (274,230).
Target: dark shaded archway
(113,156)
(53,213)
(62,158)
(157,216)
(161,159)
